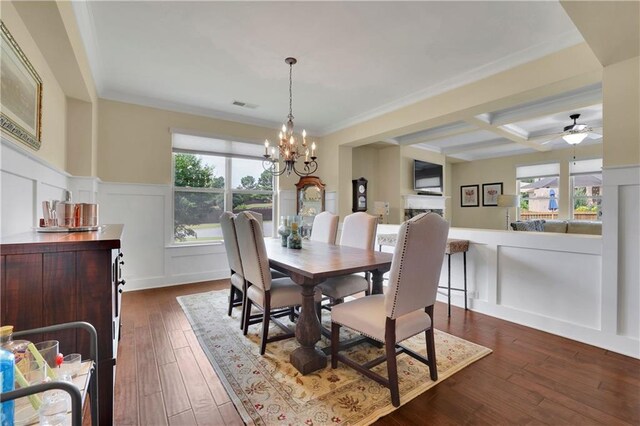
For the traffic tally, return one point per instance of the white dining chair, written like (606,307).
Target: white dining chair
(325,228)
(359,231)
(269,295)
(258,216)
(406,309)
(237,285)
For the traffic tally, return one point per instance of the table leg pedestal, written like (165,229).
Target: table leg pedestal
(376,281)
(307,358)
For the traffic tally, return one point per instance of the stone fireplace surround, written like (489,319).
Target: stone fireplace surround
(416,204)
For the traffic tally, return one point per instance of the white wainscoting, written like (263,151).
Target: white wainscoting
(552,282)
(621,252)
(151,258)
(26,181)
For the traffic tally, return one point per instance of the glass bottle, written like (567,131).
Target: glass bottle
(6,381)
(17,347)
(295,240)
(284,230)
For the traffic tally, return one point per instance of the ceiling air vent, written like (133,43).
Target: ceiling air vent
(244,104)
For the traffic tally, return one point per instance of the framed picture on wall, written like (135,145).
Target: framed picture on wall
(490,192)
(469,196)
(21,93)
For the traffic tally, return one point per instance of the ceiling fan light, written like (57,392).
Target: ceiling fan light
(574,138)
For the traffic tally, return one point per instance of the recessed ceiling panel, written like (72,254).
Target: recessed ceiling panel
(555,123)
(493,152)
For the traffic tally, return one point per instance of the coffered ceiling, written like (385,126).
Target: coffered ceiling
(531,127)
(356,60)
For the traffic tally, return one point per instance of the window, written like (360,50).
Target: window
(211,176)
(538,189)
(586,193)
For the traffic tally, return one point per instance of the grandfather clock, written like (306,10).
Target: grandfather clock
(359,195)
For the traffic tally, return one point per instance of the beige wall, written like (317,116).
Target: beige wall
(135,141)
(621,113)
(79,137)
(365,164)
(389,178)
(504,170)
(54,122)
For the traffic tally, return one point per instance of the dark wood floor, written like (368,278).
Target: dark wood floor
(530,378)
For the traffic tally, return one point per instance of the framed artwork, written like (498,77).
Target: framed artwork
(21,88)
(469,196)
(490,192)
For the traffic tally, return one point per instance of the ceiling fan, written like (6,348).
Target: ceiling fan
(574,133)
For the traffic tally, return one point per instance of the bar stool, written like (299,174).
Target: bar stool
(453,247)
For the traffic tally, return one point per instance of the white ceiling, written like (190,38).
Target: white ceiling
(356,59)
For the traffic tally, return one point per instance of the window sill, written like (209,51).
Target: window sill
(191,245)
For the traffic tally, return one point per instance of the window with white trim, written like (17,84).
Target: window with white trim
(586,189)
(539,192)
(211,176)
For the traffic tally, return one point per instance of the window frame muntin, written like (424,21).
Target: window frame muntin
(227,190)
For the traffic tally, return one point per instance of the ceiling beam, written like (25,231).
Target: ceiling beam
(504,133)
(435,133)
(583,97)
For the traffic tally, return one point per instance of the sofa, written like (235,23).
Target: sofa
(559,226)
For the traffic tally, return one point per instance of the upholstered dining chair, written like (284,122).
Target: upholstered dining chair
(325,228)
(359,231)
(406,309)
(258,216)
(262,291)
(237,282)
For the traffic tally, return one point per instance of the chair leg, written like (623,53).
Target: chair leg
(335,344)
(246,308)
(292,316)
(244,303)
(232,295)
(265,322)
(319,312)
(464,260)
(449,285)
(431,347)
(392,366)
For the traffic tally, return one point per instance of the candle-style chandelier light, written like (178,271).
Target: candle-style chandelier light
(290,149)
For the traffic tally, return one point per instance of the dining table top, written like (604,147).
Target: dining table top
(318,260)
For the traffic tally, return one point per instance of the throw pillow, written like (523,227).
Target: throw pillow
(529,225)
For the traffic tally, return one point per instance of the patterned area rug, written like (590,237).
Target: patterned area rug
(268,390)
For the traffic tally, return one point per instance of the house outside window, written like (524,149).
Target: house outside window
(539,192)
(586,189)
(211,176)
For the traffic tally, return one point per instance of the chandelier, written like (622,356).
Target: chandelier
(290,148)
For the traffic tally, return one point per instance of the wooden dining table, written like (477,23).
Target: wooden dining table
(310,266)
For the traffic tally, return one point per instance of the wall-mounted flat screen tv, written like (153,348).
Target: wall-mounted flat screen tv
(427,177)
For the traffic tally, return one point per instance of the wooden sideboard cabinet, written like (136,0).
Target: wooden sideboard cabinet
(52,278)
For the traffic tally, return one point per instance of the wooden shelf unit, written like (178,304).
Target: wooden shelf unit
(56,278)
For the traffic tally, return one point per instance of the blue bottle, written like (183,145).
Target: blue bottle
(6,380)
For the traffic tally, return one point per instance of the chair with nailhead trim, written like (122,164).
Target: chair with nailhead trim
(406,309)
